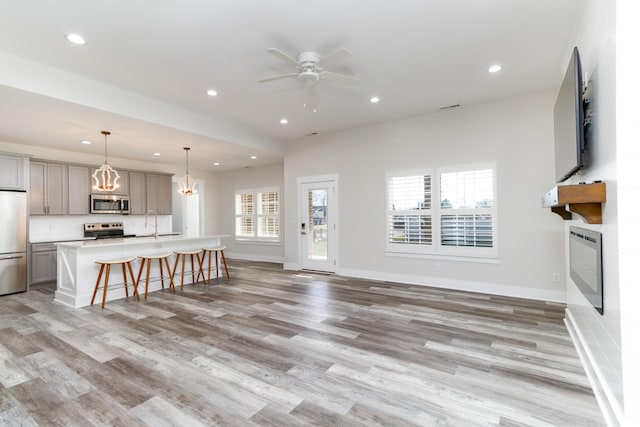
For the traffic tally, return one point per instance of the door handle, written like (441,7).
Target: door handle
(11,257)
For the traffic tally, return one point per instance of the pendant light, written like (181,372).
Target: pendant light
(105,178)
(187,185)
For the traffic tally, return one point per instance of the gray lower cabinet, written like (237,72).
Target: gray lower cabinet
(43,266)
(78,190)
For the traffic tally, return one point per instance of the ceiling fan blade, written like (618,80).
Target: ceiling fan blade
(281,76)
(329,75)
(286,58)
(335,56)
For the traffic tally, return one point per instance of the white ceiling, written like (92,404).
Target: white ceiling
(147,64)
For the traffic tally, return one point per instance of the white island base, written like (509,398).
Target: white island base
(78,272)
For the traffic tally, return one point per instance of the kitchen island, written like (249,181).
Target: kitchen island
(78,272)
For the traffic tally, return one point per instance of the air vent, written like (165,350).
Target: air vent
(450,107)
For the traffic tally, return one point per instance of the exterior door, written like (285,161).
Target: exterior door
(317,225)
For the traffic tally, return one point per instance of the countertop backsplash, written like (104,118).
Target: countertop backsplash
(52,228)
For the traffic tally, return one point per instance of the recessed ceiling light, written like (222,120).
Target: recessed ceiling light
(374,100)
(85,142)
(216,163)
(212,92)
(156,154)
(254,157)
(284,121)
(76,39)
(495,68)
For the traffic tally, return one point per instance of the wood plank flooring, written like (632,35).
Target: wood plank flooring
(277,348)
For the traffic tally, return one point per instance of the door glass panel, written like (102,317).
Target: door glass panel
(317,237)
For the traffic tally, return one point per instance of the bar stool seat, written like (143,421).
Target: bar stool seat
(215,249)
(126,264)
(182,255)
(147,259)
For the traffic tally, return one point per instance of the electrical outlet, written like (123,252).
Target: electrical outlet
(555,277)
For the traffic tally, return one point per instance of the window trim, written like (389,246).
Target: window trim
(436,249)
(404,248)
(256,216)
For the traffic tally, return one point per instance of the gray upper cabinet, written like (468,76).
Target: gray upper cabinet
(63,188)
(138,193)
(123,190)
(159,193)
(12,172)
(47,188)
(78,190)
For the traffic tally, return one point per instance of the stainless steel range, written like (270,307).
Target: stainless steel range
(105,230)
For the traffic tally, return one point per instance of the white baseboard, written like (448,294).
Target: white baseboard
(609,406)
(252,257)
(460,285)
(291,266)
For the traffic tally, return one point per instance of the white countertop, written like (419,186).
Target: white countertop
(131,241)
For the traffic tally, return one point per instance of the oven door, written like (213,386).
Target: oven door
(105,204)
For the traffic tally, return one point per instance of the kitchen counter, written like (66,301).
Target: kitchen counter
(78,272)
(84,239)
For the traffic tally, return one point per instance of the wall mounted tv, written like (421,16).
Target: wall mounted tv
(569,126)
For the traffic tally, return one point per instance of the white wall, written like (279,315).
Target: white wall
(516,133)
(628,159)
(243,179)
(599,337)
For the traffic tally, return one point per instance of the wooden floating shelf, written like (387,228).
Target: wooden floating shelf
(583,199)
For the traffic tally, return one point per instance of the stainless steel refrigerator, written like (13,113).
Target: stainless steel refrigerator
(13,242)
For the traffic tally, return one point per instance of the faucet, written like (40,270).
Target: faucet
(155,222)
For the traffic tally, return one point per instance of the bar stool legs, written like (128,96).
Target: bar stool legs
(105,267)
(147,259)
(182,255)
(215,250)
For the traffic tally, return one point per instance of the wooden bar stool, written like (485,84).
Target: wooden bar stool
(123,262)
(182,255)
(215,250)
(147,259)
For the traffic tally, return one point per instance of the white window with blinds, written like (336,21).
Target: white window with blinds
(409,212)
(258,214)
(467,212)
(445,211)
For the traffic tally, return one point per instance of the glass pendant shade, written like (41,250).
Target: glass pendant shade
(187,186)
(105,178)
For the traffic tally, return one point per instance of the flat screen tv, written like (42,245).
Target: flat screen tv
(568,116)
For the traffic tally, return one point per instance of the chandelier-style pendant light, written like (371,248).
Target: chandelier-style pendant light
(105,178)
(187,185)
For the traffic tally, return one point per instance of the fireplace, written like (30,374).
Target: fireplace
(585,264)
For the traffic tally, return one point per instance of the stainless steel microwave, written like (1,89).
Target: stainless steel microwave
(109,204)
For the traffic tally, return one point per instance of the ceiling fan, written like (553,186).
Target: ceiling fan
(311,69)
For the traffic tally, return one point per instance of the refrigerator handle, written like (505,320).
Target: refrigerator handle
(11,257)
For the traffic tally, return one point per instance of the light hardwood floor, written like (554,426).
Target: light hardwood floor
(278,348)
